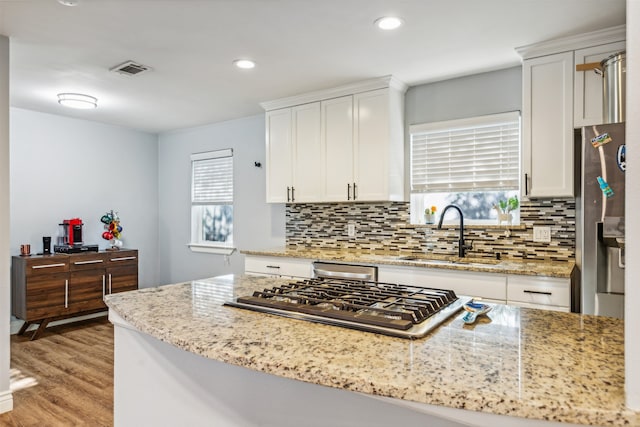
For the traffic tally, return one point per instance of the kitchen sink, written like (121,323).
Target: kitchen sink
(448,261)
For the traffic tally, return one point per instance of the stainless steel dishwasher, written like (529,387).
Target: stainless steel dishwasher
(333,270)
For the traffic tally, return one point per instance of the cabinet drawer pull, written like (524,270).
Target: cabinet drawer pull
(526,291)
(273,266)
(93,261)
(103,287)
(48,266)
(109,283)
(124,258)
(66,293)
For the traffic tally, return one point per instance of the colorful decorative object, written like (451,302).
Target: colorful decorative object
(606,190)
(113,229)
(430,215)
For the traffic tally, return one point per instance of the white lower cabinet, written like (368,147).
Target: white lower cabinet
(539,292)
(549,293)
(277,266)
(488,286)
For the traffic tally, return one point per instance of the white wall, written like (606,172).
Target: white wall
(65,168)
(257,225)
(476,95)
(632,290)
(6,400)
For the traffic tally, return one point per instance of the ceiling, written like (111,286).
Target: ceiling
(298,45)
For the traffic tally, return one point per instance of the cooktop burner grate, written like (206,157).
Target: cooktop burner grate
(381,307)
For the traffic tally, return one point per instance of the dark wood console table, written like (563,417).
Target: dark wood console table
(45,288)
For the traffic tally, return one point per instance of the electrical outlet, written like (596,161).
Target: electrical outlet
(542,234)
(351,229)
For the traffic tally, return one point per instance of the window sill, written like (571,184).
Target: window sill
(476,226)
(211,249)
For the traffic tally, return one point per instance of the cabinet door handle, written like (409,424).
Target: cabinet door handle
(93,261)
(273,266)
(293,194)
(348,191)
(526,184)
(288,198)
(35,267)
(124,258)
(354,191)
(526,291)
(66,293)
(109,283)
(103,287)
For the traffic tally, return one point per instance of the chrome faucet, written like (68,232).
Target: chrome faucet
(461,246)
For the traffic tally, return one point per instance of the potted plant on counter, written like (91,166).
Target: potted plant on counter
(430,215)
(504,209)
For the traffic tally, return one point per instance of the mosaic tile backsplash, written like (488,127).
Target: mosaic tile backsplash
(385,227)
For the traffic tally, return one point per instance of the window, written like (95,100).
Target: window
(474,163)
(212,201)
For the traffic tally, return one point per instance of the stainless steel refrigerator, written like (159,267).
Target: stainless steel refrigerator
(600,220)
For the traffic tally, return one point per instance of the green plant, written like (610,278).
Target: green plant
(511,204)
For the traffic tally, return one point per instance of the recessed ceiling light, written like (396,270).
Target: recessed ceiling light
(388,22)
(244,63)
(77,100)
(69,2)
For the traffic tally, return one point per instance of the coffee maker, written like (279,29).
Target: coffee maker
(70,239)
(72,231)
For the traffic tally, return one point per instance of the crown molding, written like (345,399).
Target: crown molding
(344,90)
(580,41)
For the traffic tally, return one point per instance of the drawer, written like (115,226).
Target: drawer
(278,266)
(546,291)
(46,265)
(87,261)
(122,258)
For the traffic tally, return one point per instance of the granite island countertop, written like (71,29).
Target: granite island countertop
(560,269)
(520,362)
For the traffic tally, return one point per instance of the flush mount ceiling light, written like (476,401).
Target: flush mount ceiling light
(388,22)
(244,63)
(69,2)
(77,100)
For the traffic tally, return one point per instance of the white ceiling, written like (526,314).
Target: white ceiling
(299,46)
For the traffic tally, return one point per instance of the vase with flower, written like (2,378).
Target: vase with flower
(430,215)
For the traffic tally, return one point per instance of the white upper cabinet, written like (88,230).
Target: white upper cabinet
(279,155)
(293,153)
(588,103)
(307,152)
(556,99)
(337,137)
(378,146)
(547,126)
(346,144)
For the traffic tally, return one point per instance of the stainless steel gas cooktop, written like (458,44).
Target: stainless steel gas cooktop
(386,308)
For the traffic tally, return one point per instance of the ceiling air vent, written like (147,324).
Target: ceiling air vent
(130,68)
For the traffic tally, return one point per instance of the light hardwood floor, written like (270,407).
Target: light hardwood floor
(64,378)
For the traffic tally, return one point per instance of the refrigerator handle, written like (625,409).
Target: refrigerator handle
(621,262)
(526,184)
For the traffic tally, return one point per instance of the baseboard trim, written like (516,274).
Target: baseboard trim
(6,401)
(16,324)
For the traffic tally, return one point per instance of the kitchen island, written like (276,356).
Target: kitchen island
(182,357)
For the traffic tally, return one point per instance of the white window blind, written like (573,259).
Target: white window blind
(212,180)
(475,154)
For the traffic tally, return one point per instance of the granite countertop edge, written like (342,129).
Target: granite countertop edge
(559,269)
